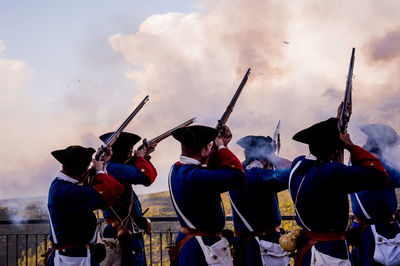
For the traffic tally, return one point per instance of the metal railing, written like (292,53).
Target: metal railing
(27,248)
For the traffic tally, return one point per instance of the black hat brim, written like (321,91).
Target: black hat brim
(324,134)
(195,137)
(74,158)
(124,139)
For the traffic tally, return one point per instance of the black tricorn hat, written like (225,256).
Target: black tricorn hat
(381,135)
(75,159)
(322,137)
(260,143)
(125,139)
(195,137)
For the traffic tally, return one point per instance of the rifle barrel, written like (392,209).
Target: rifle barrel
(345,114)
(169,132)
(113,137)
(229,108)
(278,126)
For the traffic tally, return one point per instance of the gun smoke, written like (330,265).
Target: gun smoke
(191,63)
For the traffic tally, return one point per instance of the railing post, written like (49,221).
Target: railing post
(26,249)
(36,247)
(151,249)
(7,250)
(16,249)
(161,248)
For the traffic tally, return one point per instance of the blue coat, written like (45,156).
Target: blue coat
(258,204)
(71,209)
(129,175)
(196,191)
(322,199)
(380,205)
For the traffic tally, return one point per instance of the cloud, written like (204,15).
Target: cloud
(192,64)
(385,48)
(29,133)
(2,46)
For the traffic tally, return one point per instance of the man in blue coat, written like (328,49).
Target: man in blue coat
(195,192)
(375,210)
(319,186)
(71,205)
(256,215)
(124,219)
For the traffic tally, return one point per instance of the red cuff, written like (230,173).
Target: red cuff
(146,168)
(224,157)
(360,156)
(108,187)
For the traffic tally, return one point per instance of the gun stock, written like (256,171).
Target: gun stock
(109,142)
(224,118)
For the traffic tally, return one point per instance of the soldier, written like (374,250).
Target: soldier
(375,210)
(195,193)
(255,208)
(319,186)
(71,205)
(124,219)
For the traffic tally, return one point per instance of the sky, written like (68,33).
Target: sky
(73,70)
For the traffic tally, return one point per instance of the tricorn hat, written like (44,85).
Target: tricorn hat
(322,137)
(380,136)
(125,139)
(260,143)
(75,159)
(195,137)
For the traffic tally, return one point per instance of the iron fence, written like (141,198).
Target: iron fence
(17,248)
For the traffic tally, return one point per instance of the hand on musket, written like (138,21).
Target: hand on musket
(98,165)
(339,110)
(346,140)
(223,138)
(145,150)
(226,135)
(148,147)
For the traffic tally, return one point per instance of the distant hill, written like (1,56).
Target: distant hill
(159,204)
(23,208)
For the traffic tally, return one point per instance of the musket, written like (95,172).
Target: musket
(277,137)
(347,102)
(224,118)
(166,134)
(110,141)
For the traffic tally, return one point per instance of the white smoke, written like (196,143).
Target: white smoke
(191,63)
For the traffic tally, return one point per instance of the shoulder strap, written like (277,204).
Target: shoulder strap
(295,202)
(240,215)
(174,202)
(362,207)
(53,233)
